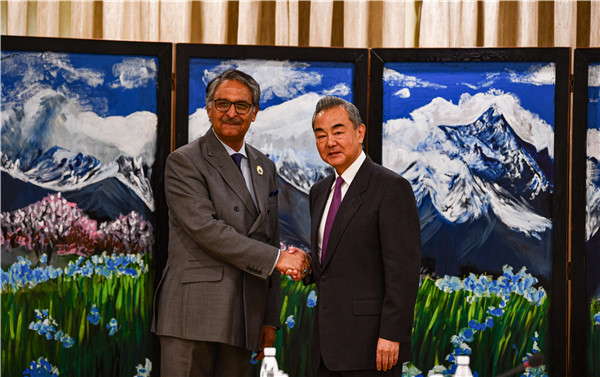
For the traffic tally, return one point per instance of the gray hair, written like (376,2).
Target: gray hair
(329,102)
(235,75)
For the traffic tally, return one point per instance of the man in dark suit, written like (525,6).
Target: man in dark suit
(366,248)
(219,296)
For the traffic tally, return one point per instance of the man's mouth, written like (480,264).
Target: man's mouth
(233,121)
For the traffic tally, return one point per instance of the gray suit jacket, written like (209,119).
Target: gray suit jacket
(369,279)
(216,284)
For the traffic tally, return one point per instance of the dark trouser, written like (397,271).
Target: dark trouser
(323,371)
(190,358)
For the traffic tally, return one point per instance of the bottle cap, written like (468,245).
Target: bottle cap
(462,360)
(270,351)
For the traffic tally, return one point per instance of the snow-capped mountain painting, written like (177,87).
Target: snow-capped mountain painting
(476,141)
(290,91)
(592,229)
(83,125)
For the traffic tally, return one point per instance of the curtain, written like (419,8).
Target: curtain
(353,23)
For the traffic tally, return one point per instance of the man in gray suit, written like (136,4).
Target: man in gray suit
(219,296)
(367,244)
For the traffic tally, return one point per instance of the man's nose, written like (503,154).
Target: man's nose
(231,111)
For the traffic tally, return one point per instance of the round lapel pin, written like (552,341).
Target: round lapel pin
(259,170)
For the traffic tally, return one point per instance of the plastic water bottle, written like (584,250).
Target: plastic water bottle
(269,367)
(462,368)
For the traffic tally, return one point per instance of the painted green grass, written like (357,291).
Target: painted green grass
(438,316)
(68,300)
(594,343)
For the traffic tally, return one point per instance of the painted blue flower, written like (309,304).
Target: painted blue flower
(476,325)
(489,322)
(94,316)
(290,321)
(252,358)
(496,312)
(597,318)
(44,259)
(41,368)
(112,326)
(311,302)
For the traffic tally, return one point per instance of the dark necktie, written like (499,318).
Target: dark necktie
(333,208)
(237,158)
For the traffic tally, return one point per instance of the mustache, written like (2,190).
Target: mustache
(236,121)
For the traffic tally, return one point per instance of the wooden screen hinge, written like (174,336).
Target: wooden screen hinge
(571,83)
(172,82)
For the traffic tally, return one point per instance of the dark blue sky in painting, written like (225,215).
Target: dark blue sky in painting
(532,82)
(105,84)
(280,81)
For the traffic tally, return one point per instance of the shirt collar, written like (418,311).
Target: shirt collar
(349,174)
(230,150)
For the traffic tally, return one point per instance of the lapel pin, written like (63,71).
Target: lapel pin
(259,170)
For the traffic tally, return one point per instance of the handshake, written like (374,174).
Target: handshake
(294,262)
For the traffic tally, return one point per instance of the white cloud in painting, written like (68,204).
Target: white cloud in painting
(536,75)
(289,81)
(403,93)
(529,126)
(339,90)
(594,75)
(490,79)
(593,143)
(52,64)
(133,72)
(52,119)
(394,78)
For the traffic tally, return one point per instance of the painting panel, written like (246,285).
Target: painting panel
(586,214)
(292,80)
(480,136)
(85,133)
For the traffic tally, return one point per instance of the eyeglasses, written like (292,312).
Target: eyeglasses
(240,107)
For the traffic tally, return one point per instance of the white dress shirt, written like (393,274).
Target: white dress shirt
(348,175)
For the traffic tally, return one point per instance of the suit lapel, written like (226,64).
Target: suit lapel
(218,157)
(259,183)
(318,209)
(350,204)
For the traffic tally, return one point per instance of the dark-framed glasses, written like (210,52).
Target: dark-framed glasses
(240,107)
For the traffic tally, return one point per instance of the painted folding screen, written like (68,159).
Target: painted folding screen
(292,80)
(585,252)
(482,136)
(85,133)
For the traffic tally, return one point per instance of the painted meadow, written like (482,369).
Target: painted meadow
(77,299)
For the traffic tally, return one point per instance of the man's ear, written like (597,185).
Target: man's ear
(362,129)
(254,112)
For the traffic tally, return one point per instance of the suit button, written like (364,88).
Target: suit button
(323,278)
(268,211)
(236,209)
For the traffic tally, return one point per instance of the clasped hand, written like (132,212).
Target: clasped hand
(294,262)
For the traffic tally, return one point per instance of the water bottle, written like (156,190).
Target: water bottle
(269,367)
(462,367)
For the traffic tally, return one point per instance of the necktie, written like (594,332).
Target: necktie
(333,208)
(237,158)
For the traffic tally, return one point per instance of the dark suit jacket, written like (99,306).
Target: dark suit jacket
(216,284)
(367,285)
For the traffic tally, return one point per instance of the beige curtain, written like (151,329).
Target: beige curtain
(353,23)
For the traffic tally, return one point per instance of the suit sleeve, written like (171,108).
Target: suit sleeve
(190,203)
(400,236)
